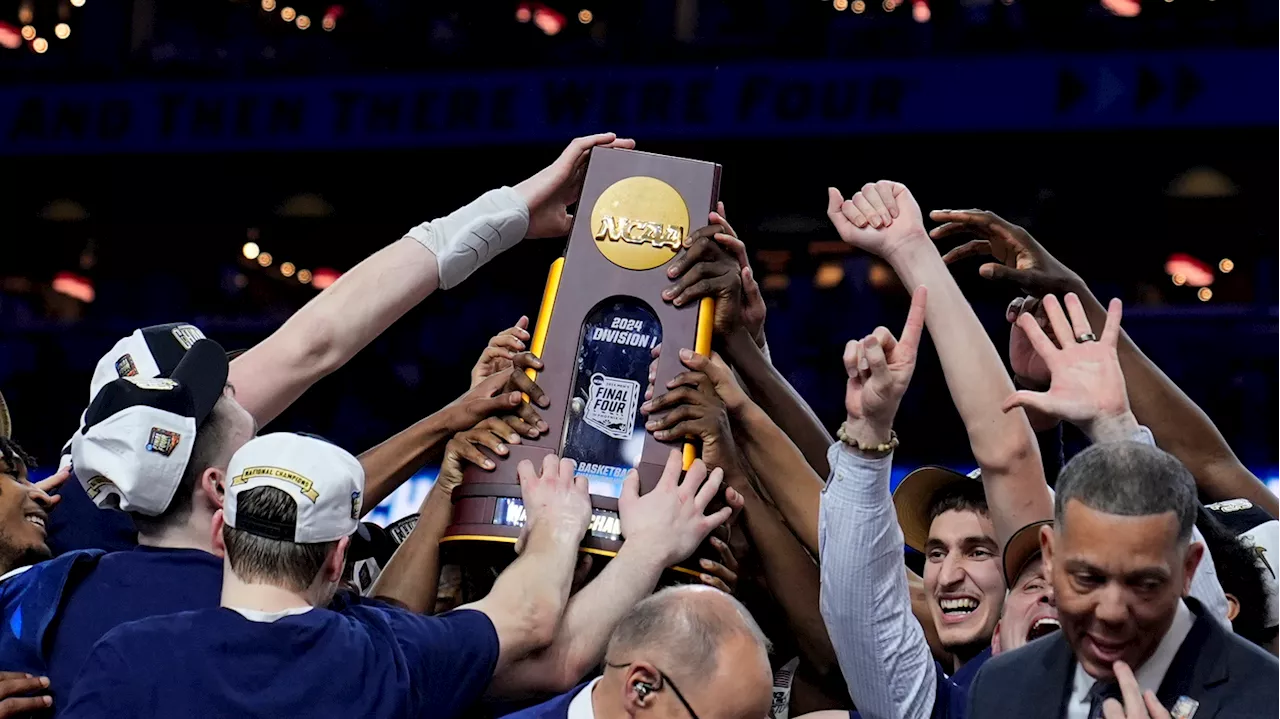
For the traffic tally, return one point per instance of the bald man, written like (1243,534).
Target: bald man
(697,637)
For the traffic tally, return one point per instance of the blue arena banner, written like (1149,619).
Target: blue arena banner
(1212,88)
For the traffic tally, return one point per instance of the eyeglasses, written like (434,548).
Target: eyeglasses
(667,680)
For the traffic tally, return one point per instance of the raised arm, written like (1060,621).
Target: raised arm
(412,578)
(1180,427)
(885,220)
(741,326)
(389,464)
(529,597)
(700,405)
(662,528)
(865,600)
(366,300)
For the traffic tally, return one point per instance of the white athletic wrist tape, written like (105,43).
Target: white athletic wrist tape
(472,235)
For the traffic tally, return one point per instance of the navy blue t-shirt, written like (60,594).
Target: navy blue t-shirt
(364,659)
(124,587)
(952,697)
(78,523)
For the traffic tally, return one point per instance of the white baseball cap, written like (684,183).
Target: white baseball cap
(148,352)
(324,480)
(139,431)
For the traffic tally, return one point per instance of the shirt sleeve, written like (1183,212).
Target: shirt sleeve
(1205,586)
(864,598)
(102,689)
(451,657)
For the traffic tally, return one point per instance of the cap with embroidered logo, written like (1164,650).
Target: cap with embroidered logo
(139,431)
(325,481)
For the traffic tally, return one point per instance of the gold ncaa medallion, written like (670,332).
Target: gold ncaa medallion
(638,223)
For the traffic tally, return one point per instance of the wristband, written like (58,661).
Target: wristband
(474,234)
(882,448)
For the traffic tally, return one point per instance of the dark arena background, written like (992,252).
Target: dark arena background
(219,162)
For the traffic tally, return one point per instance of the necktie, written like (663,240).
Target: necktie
(1100,692)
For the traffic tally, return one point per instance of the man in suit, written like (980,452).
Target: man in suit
(1121,568)
(699,637)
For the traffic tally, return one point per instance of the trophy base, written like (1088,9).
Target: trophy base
(488,515)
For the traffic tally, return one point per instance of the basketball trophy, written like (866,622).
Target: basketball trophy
(598,330)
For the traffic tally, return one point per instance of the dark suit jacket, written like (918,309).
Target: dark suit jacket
(554,708)
(1230,677)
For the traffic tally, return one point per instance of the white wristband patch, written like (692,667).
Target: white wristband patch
(472,235)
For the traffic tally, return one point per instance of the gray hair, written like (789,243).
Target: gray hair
(688,625)
(1129,479)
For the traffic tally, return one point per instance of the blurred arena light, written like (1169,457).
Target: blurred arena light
(1205,294)
(25,13)
(62,31)
(250,250)
(1194,271)
(304,276)
(1202,183)
(77,3)
(524,13)
(1123,8)
(840,5)
(10,36)
(287,269)
(303,22)
(74,286)
(28,32)
(548,20)
(829,275)
(858,7)
(264,259)
(1226,265)
(585,16)
(268,5)
(920,10)
(64,210)
(305,204)
(331,17)
(323,277)
(288,14)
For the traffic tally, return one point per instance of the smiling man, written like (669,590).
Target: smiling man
(1122,566)
(23,511)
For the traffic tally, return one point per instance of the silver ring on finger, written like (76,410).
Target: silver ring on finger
(1087,337)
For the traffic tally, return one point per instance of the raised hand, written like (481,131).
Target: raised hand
(491,433)
(50,484)
(670,520)
(1028,366)
(555,499)
(557,186)
(722,380)
(1137,703)
(753,307)
(502,347)
(502,394)
(722,575)
(705,268)
(882,218)
(692,409)
(1087,387)
(1019,258)
(880,368)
